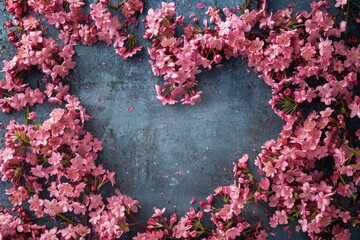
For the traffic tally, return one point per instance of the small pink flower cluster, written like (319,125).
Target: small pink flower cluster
(17,8)
(295,183)
(179,59)
(107,27)
(226,216)
(34,50)
(52,168)
(67,16)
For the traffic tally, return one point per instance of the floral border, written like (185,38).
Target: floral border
(309,174)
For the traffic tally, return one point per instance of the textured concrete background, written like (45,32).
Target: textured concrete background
(163,156)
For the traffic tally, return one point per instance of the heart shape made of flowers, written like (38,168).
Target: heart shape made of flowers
(301,59)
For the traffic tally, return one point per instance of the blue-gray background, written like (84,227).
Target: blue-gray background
(164,156)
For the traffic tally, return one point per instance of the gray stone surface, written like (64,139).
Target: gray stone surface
(163,156)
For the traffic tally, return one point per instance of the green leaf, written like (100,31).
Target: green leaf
(354,197)
(353,151)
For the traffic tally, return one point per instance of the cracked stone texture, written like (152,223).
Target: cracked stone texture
(164,156)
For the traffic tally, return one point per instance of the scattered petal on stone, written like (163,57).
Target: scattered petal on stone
(129,109)
(192,201)
(200,5)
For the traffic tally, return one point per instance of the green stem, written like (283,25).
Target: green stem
(137,221)
(342,179)
(27,116)
(354,4)
(116,6)
(6,94)
(60,215)
(38,218)
(263,207)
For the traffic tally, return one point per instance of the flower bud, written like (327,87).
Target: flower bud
(173,219)
(11,10)
(10,33)
(340,117)
(8,24)
(287,92)
(12,39)
(202,204)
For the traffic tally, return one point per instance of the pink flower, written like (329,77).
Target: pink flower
(308,192)
(232,233)
(282,217)
(17,195)
(40,172)
(323,200)
(36,205)
(32,116)
(49,234)
(95,201)
(51,207)
(355,107)
(192,99)
(66,189)
(158,212)
(340,234)
(182,229)
(68,232)
(82,230)
(264,183)
(78,208)
(256,45)
(308,51)
(341,3)
(55,158)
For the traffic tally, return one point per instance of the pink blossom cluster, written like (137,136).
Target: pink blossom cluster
(179,59)
(34,50)
(55,61)
(302,43)
(310,174)
(68,17)
(52,168)
(308,169)
(16,8)
(303,60)
(107,27)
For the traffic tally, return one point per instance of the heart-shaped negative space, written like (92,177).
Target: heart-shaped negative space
(164,156)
